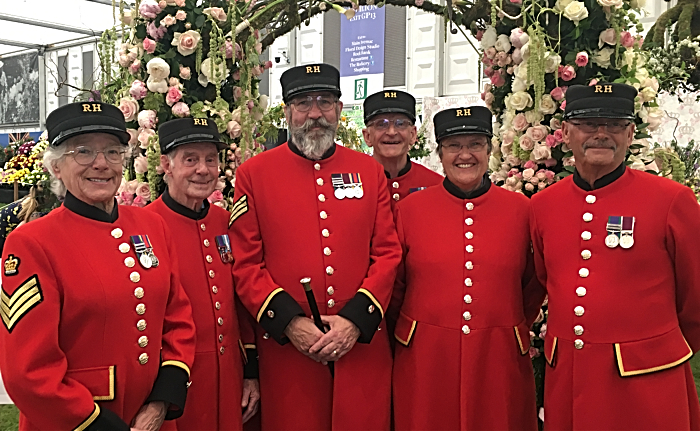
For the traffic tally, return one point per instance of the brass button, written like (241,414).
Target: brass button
(581,291)
(329,270)
(323,215)
(212,274)
(470,206)
(206,243)
(578,330)
(217,305)
(585,235)
(321,198)
(467,315)
(586,254)
(271,314)
(327,251)
(220,321)
(396,196)
(143,341)
(469,235)
(209,259)
(467,299)
(143,358)
(370,309)
(465,329)
(468,282)
(583,272)
(590,199)
(578,310)
(331,303)
(221,338)
(138,292)
(317,166)
(578,344)
(469,265)
(140,309)
(319,181)
(222,350)
(469,221)
(141,325)
(587,217)
(117,233)
(325,233)
(330,290)
(395,185)
(215,289)
(469,248)
(135,277)
(129,262)
(266,336)
(203,227)
(124,247)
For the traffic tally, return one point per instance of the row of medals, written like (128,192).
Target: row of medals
(349,192)
(613,241)
(148,259)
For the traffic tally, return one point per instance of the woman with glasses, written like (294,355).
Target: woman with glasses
(98,330)
(467,293)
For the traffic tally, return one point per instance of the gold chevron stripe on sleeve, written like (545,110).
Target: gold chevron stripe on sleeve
(239,208)
(14,307)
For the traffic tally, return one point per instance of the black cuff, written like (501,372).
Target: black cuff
(274,319)
(361,311)
(250,369)
(107,420)
(171,388)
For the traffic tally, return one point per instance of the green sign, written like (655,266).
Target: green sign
(361,89)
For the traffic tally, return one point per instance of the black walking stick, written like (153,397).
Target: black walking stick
(306,282)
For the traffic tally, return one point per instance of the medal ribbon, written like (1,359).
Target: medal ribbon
(139,245)
(627,226)
(614,226)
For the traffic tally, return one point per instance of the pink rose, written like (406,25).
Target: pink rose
(216,12)
(239,51)
(508,137)
(541,152)
(550,163)
(529,165)
(489,71)
(558,136)
(135,67)
(130,186)
(489,98)
(526,143)
(236,75)
(145,135)
(124,60)
(490,53)
(530,187)
(258,48)
(518,37)
(180,110)
(555,123)
(228,46)
(517,56)
(551,141)
(138,90)
(237,92)
(141,165)
(139,202)
(133,136)
(257,70)
(593,82)
(149,9)
(143,189)
(163,4)
(549,175)
(543,330)
(174,95)
(233,129)
(129,107)
(626,39)
(186,42)
(155,32)
(537,133)
(181,15)
(607,36)
(497,79)
(568,161)
(180,3)
(168,21)
(125,198)
(563,105)
(148,119)
(251,104)
(517,1)
(479,34)
(582,59)
(486,61)
(503,59)
(567,73)
(268,64)
(216,196)
(174,82)
(520,122)
(185,72)
(528,173)
(149,45)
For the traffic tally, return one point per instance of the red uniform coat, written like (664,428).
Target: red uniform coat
(620,320)
(412,178)
(287,224)
(217,377)
(461,360)
(90,335)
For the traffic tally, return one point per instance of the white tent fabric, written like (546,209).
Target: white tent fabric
(4,398)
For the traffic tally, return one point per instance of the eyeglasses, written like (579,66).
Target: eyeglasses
(472,147)
(384,124)
(304,104)
(86,155)
(191,161)
(592,126)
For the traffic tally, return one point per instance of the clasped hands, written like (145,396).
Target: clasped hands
(320,347)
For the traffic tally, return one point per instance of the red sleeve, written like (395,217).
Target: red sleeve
(533,291)
(683,238)
(537,249)
(399,292)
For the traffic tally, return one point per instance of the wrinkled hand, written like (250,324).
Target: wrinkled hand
(251,398)
(150,417)
(338,341)
(303,334)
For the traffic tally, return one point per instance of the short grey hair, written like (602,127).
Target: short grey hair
(171,157)
(51,157)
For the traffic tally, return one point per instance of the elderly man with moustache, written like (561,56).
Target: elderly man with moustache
(314,211)
(617,250)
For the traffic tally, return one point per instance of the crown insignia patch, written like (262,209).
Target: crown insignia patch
(11,265)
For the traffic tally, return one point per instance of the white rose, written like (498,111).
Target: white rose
(576,11)
(502,43)
(642,76)
(158,69)
(638,4)
(647,94)
(547,105)
(517,85)
(207,73)
(610,3)
(561,4)
(508,116)
(629,58)
(263,101)
(186,42)
(520,71)
(637,163)
(654,118)
(489,38)
(520,100)
(525,51)
(157,85)
(602,57)
(494,163)
(533,117)
(608,36)
(551,62)
(650,82)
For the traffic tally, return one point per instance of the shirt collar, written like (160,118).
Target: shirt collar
(600,182)
(461,194)
(403,170)
(183,210)
(292,146)
(89,211)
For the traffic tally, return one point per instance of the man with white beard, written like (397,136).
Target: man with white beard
(318,213)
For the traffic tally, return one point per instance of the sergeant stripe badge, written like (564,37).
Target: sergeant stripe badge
(144,251)
(14,307)
(223,243)
(347,186)
(239,208)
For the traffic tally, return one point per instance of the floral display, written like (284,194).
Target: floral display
(26,166)
(534,57)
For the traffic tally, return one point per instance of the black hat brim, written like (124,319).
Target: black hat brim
(465,130)
(123,136)
(194,138)
(405,112)
(599,113)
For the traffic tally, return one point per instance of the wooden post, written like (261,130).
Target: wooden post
(16,192)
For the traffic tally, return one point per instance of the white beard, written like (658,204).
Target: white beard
(313,144)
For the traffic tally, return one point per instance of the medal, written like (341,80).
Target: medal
(339,193)
(347,186)
(223,243)
(359,192)
(627,239)
(144,251)
(614,227)
(154,259)
(145,260)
